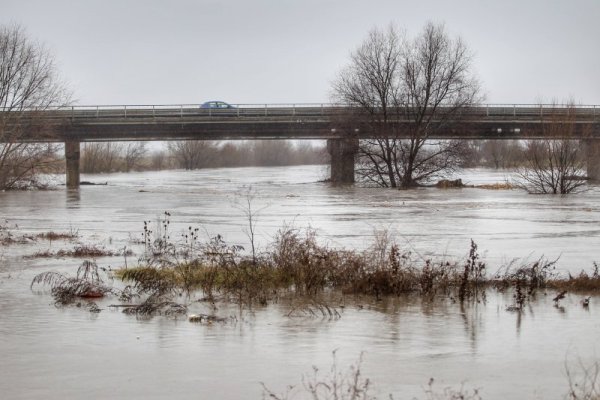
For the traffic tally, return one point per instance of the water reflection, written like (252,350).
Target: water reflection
(73,198)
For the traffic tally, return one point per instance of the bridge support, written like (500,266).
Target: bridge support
(72,158)
(342,153)
(592,154)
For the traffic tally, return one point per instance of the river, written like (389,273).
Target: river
(54,353)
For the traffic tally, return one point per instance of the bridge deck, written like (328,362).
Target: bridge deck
(323,121)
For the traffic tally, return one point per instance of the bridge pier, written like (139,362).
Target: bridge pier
(592,154)
(72,168)
(342,153)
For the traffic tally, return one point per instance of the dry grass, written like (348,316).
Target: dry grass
(296,263)
(52,236)
(351,384)
(9,237)
(583,282)
(496,186)
(81,251)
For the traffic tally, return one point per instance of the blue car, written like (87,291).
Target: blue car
(216,104)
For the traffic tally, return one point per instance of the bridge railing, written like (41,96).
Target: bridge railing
(189,110)
(182,111)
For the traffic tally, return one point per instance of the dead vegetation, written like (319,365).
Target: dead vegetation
(296,266)
(81,251)
(52,236)
(8,235)
(351,384)
(297,263)
(87,284)
(496,186)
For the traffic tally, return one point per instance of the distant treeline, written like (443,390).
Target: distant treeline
(497,154)
(190,154)
(123,157)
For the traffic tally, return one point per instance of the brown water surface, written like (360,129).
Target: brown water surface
(51,353)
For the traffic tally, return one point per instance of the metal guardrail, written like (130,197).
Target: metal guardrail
(86,112)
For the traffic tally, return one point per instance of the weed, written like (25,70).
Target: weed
(65,290)
(157,304)
(526,280)
(314,309)
(583,282)
(350,384)
(472,276)
(339,385)
(449,393)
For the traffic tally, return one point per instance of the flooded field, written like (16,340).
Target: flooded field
(62,353)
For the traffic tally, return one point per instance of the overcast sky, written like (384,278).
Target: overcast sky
(289,51)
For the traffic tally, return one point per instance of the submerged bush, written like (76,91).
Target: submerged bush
(297,264)
(87,284)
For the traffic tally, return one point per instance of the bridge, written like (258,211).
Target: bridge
(340,125)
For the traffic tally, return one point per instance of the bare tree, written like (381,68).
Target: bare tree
(133,154)
(502,153)
(408,89)
(29,84)
(554,165)
(100,157)
(192,154)
(159,160)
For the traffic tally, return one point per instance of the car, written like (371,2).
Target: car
(216,104)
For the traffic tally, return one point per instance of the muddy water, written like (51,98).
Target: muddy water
(69,353)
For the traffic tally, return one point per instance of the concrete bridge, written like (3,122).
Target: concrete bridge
(341,126)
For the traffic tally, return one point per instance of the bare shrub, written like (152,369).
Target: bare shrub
(554,165)
(86,284)
(337,384)
(525,280)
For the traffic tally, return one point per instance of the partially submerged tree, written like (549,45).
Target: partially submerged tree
(407,91)
(554,165)
(28,85)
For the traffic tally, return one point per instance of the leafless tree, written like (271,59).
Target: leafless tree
(159,160)
(408,89)
(29,84)
(100,157)
(554,165)
(192,154)
(133,154)
(502,153)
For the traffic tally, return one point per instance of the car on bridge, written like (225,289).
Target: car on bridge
(216,104)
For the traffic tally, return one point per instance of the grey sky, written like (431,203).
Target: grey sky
(284,51)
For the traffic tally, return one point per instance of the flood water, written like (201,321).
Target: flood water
(64,353)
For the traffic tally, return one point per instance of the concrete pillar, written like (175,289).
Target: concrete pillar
(342,153)
(592,154)
(72,157)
